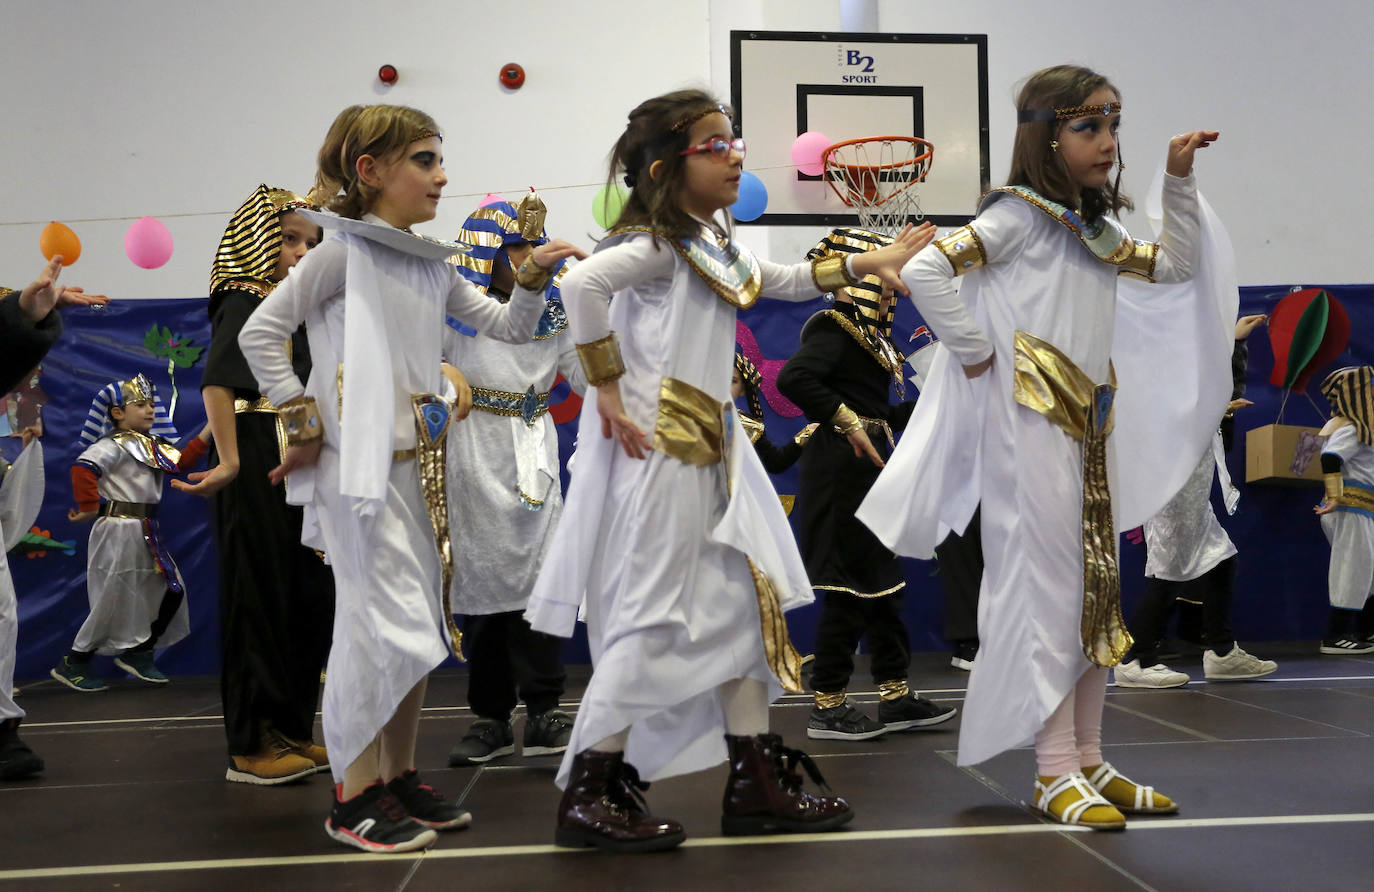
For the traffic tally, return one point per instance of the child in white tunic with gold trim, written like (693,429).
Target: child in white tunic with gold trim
(365,452)
(676,540)
(1018,412)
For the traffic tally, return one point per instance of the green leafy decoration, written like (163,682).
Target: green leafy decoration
(171,346)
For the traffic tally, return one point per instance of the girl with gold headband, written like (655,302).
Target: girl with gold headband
(672,533)
(1018,413)
(1347,511)
(365,449)
(276,595)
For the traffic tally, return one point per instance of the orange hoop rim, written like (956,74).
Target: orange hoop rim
(925,158)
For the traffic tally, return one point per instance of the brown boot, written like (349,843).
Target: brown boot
(603,807)
(274,763)
(307,748)
(763,795)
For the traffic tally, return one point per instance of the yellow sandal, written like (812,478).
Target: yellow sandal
(1126,794)
(1070,799)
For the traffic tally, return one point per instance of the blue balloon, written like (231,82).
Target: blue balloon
(753,198)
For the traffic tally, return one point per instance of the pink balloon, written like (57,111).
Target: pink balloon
(148,243)
(490,199)
(806,152)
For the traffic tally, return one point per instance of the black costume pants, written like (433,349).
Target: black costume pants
(276,600)
(507,658)
(845,619)
(961,572)
(1213,589)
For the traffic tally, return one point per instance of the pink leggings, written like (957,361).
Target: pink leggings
(1072,735)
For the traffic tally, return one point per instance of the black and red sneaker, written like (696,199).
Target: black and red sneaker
(426,805)
(375,821)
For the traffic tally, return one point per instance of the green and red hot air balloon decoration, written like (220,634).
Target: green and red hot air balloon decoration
(1308,329)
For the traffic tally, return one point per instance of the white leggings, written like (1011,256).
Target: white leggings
(1072,736)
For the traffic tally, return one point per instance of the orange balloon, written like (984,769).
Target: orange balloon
(58,238)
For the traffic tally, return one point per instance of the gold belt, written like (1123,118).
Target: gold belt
(264,406)
(530,405)
(137,510)
(691,428)
(1357,495)
(1046,381)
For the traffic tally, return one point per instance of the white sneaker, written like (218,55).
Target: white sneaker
(1130,675)
(1235,665)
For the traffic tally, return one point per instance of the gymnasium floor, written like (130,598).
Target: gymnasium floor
(1274,778)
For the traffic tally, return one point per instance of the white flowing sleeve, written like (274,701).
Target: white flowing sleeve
(995,236)
(1178,238)
(587,288)
(263,338)
(512,322)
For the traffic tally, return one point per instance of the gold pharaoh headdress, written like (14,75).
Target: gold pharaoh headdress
(248,252)
(866,292)
(1351,395)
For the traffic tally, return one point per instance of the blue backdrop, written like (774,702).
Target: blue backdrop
(1281,591)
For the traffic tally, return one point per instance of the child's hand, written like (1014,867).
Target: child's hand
(863,447)
(1181,149)
(615,423)
(77,516)
(28,435)
(40,296)
(207,483)
(1247,324)
(978,368)
(1326,507)
(886,263)
(1237,404)
(296,457)
(462,402)
(547,255)
(77,297)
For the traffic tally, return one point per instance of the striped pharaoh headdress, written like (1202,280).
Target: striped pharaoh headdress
(1351,396)
(117,393)
(248,252)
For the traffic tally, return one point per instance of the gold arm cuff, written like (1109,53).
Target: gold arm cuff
(1141,263)
(829,701)
(301,418)
(1335,486)
(831,274)
(805,433)
(963,249)
(601,360)
(846,421)
(533,277)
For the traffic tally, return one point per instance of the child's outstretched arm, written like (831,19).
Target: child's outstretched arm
(512,322)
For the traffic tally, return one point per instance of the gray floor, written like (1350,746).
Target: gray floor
(1273,776)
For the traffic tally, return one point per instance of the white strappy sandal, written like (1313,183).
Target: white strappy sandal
(1145,802)
(1074,811)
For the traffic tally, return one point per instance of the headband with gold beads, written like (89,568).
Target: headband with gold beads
(1067,113)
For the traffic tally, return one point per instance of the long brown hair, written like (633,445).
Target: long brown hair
(1034,162)
(657,131)
(382,131)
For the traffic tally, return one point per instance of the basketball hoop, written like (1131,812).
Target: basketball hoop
(877,176)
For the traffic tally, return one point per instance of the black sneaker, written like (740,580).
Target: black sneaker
(487,739)
(375,821)
(547,734)
(17,761)
(842,722)
(426,805)
(1346,646)
(964,655)
(912,712)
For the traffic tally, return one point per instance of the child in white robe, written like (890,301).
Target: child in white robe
(1347,511)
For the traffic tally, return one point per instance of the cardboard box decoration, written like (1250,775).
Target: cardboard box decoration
(1285,454)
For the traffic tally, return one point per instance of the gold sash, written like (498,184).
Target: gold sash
(691,428)
(432,416)
(1048,382)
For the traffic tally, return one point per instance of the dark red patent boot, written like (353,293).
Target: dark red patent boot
(603,806)
(764,795)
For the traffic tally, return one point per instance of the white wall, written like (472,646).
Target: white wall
(177,109)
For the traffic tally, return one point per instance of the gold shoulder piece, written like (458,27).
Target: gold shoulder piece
(1141,263)
(601,360)
(831,274)
(963,249)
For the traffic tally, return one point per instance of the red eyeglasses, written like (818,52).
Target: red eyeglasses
(718,146)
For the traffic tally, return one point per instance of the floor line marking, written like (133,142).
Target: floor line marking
(704,842)
(1184,729)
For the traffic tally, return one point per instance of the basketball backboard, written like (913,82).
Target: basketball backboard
(935,86)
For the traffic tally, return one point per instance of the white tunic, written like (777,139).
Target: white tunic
(388,627)
(504,493)
(970,441)
(1185,540)
(1350,578)
(21,495)
(123,580)
(658,547)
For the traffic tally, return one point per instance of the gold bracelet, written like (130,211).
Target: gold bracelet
(301,419)
(601,360)
(533,277)
(1335,487)
(831,274)
(846,421)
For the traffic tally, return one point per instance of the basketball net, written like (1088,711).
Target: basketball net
(878,177)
